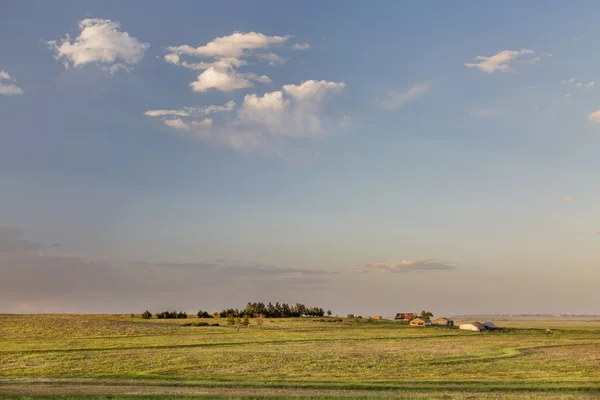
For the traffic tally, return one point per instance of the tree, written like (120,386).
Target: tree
(146,315)
(426,314)
(246,320)
(230,319)
(181,315)
(329,313)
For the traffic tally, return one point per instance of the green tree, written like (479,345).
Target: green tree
(426,314)
(329,313)
(146,315)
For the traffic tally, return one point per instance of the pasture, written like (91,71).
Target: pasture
(120,356)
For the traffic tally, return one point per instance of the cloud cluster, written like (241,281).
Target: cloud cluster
(397,99)
(261,120)
(404,266)
(32,276)
(8,86)
(99,42)
(224,55)
(503,61)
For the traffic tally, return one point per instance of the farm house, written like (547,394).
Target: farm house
(420,322)
(405,316)
(443,321)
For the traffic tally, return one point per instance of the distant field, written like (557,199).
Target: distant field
(119,356)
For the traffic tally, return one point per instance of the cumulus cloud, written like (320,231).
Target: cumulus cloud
(404,266)
(502,61)
(99,42)
(261,120)
(224,55)
(235,45)
(32,276)
(8,86)
(397,99)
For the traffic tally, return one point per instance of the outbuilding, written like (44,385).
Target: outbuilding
(420,322)
(475,327)
(443,321)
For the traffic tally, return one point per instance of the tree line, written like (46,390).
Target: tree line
(252,310)
(277,310)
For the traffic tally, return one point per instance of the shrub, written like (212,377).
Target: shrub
(246,320)
(215,324)
(350,316)
(370,319)
(203,314)
(146,315)
(181,315)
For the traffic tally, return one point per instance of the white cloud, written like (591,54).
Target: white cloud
(502,61)
(313,91)
(397,99)
(205,123)
(590,84)
(7,85)
(177,123)
(100,42)
(235,45)
(595,116)
(272,58)
(191,111)
(261,120)
(229,106)
(164,113)
(223,56)
(225,81)
(404,266)
(301,46)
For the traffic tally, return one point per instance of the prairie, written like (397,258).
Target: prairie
(120,356)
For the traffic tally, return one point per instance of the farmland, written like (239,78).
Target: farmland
(120,356)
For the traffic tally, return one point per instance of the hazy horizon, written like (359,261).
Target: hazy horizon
(367,159)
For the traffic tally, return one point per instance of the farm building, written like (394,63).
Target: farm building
(490,326)
(377,317)
(442,321)
(405,316)
(475,327)
(420,322)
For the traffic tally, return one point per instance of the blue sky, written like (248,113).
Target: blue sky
(316,149)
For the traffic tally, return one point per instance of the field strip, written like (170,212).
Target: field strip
(107,387)
(229,344)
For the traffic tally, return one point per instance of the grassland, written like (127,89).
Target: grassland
(103,356)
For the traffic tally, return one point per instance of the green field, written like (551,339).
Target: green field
(119,356)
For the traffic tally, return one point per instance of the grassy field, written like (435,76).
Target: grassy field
(119,356)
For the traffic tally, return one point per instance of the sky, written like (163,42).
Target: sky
(363,158)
